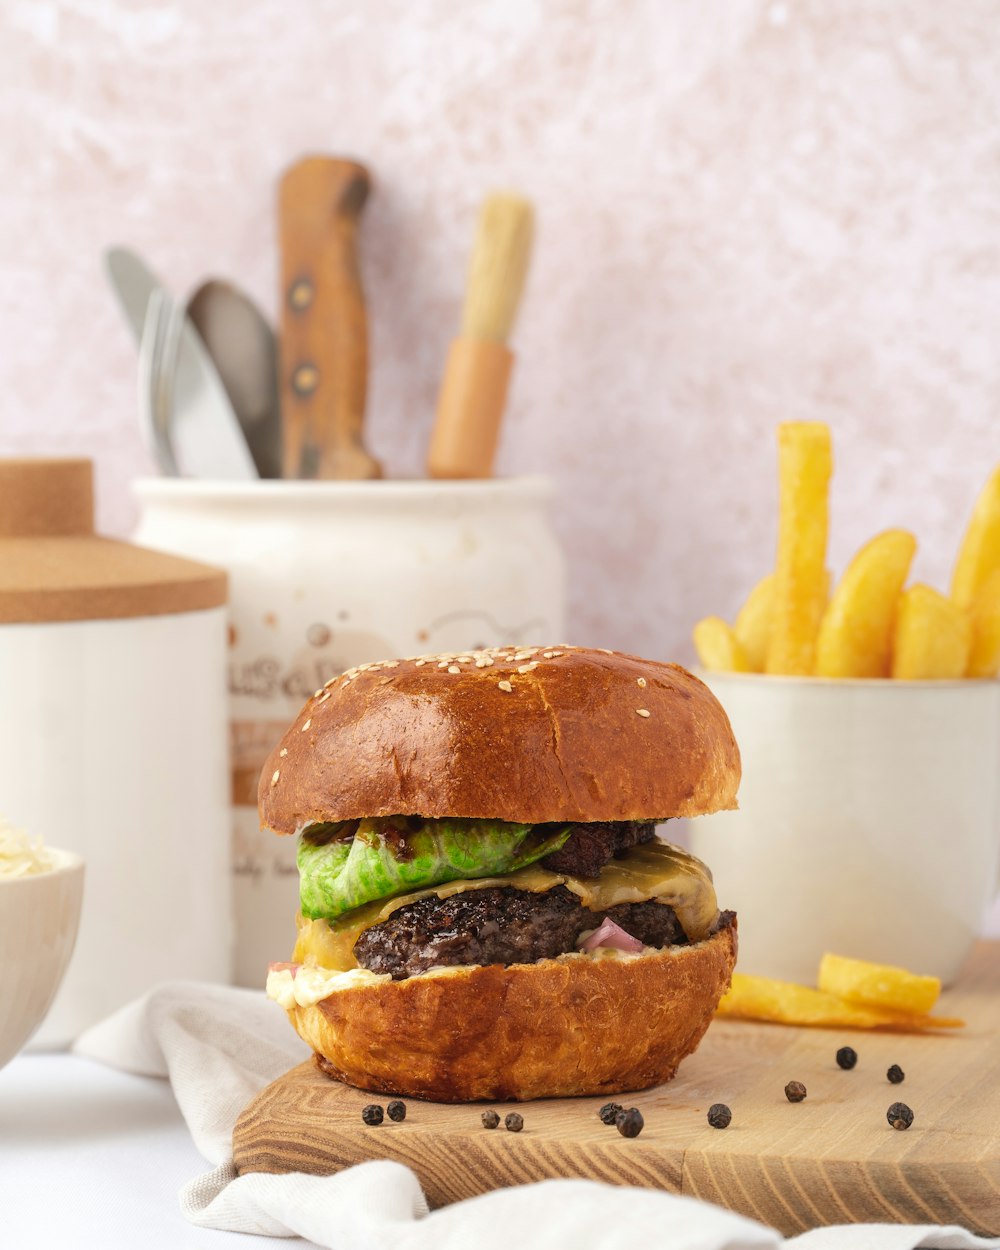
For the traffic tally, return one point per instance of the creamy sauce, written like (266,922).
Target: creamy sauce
(311,985)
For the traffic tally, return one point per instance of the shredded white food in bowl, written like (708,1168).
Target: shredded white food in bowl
(22,856)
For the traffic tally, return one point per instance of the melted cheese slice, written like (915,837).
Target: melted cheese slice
(655,870)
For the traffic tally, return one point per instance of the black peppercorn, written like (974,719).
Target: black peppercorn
(847,1057)
(396,1110)
(609,1111)
(629,1123)
(795,1091)
(719,1115)
(490,1119)
(513,1122)
(899,1115)
(372,1114)
(895,1075)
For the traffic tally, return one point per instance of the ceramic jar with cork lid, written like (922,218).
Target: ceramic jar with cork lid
(113,737)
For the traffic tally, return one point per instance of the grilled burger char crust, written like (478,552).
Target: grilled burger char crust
(501,925)
(565,758)
(589,847)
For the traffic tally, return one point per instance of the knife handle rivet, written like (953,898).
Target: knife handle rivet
(300,296)
(305,379)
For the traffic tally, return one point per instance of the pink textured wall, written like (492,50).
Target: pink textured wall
(748,211)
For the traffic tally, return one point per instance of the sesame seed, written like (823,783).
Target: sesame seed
(641,681)
(483,662)
(305,726)
(390,664)
(642,711)
(555,653)
(525,655)
(505,685)
(274,777)
(526,668)
(283,752)
(419,663)
(443,663)
(453,668)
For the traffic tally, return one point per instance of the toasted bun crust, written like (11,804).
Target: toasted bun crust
(559,1027)
(444,736)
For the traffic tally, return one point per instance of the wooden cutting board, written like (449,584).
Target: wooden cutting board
(830,1159)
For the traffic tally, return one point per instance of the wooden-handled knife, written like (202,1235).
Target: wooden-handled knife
(324,330)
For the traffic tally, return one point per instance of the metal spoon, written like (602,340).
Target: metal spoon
(243,347)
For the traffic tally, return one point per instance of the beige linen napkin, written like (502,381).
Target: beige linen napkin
(218,1046)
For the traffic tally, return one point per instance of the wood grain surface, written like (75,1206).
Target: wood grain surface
(830,1159)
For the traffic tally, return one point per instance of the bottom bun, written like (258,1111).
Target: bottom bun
(579,1024)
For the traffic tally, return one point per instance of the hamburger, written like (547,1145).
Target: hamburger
(487,910)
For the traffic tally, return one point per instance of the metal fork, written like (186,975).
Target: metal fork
(158,349)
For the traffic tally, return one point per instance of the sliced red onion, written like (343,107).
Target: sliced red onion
(292,968)
(610,935)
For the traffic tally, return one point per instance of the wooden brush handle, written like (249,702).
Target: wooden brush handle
(470,408)
(324,330)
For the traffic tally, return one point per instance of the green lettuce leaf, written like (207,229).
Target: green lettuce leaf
(385,857)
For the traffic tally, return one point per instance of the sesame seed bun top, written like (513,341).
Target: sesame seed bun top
(533,734)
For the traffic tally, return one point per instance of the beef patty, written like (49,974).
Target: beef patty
(500,925)
(589,847)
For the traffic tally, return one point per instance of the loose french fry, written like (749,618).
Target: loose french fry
(782,1002)
(805,462)
(719,650)
(984,654)
(979,554)
(932,637)
(855,635)
(753,624)
(878,985)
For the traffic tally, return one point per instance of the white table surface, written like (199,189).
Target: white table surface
(92,1157)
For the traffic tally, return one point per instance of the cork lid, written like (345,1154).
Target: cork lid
(53,567)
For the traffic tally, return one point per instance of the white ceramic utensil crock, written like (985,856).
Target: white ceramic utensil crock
(326,575)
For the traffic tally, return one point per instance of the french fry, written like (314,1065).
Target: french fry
(984,654)
(855,635)
(753,623)
(878,985)
(932,636)
(979,554)
(782,1002)
(805,463)
(719,650)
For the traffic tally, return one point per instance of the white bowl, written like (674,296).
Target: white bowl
(39,918)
